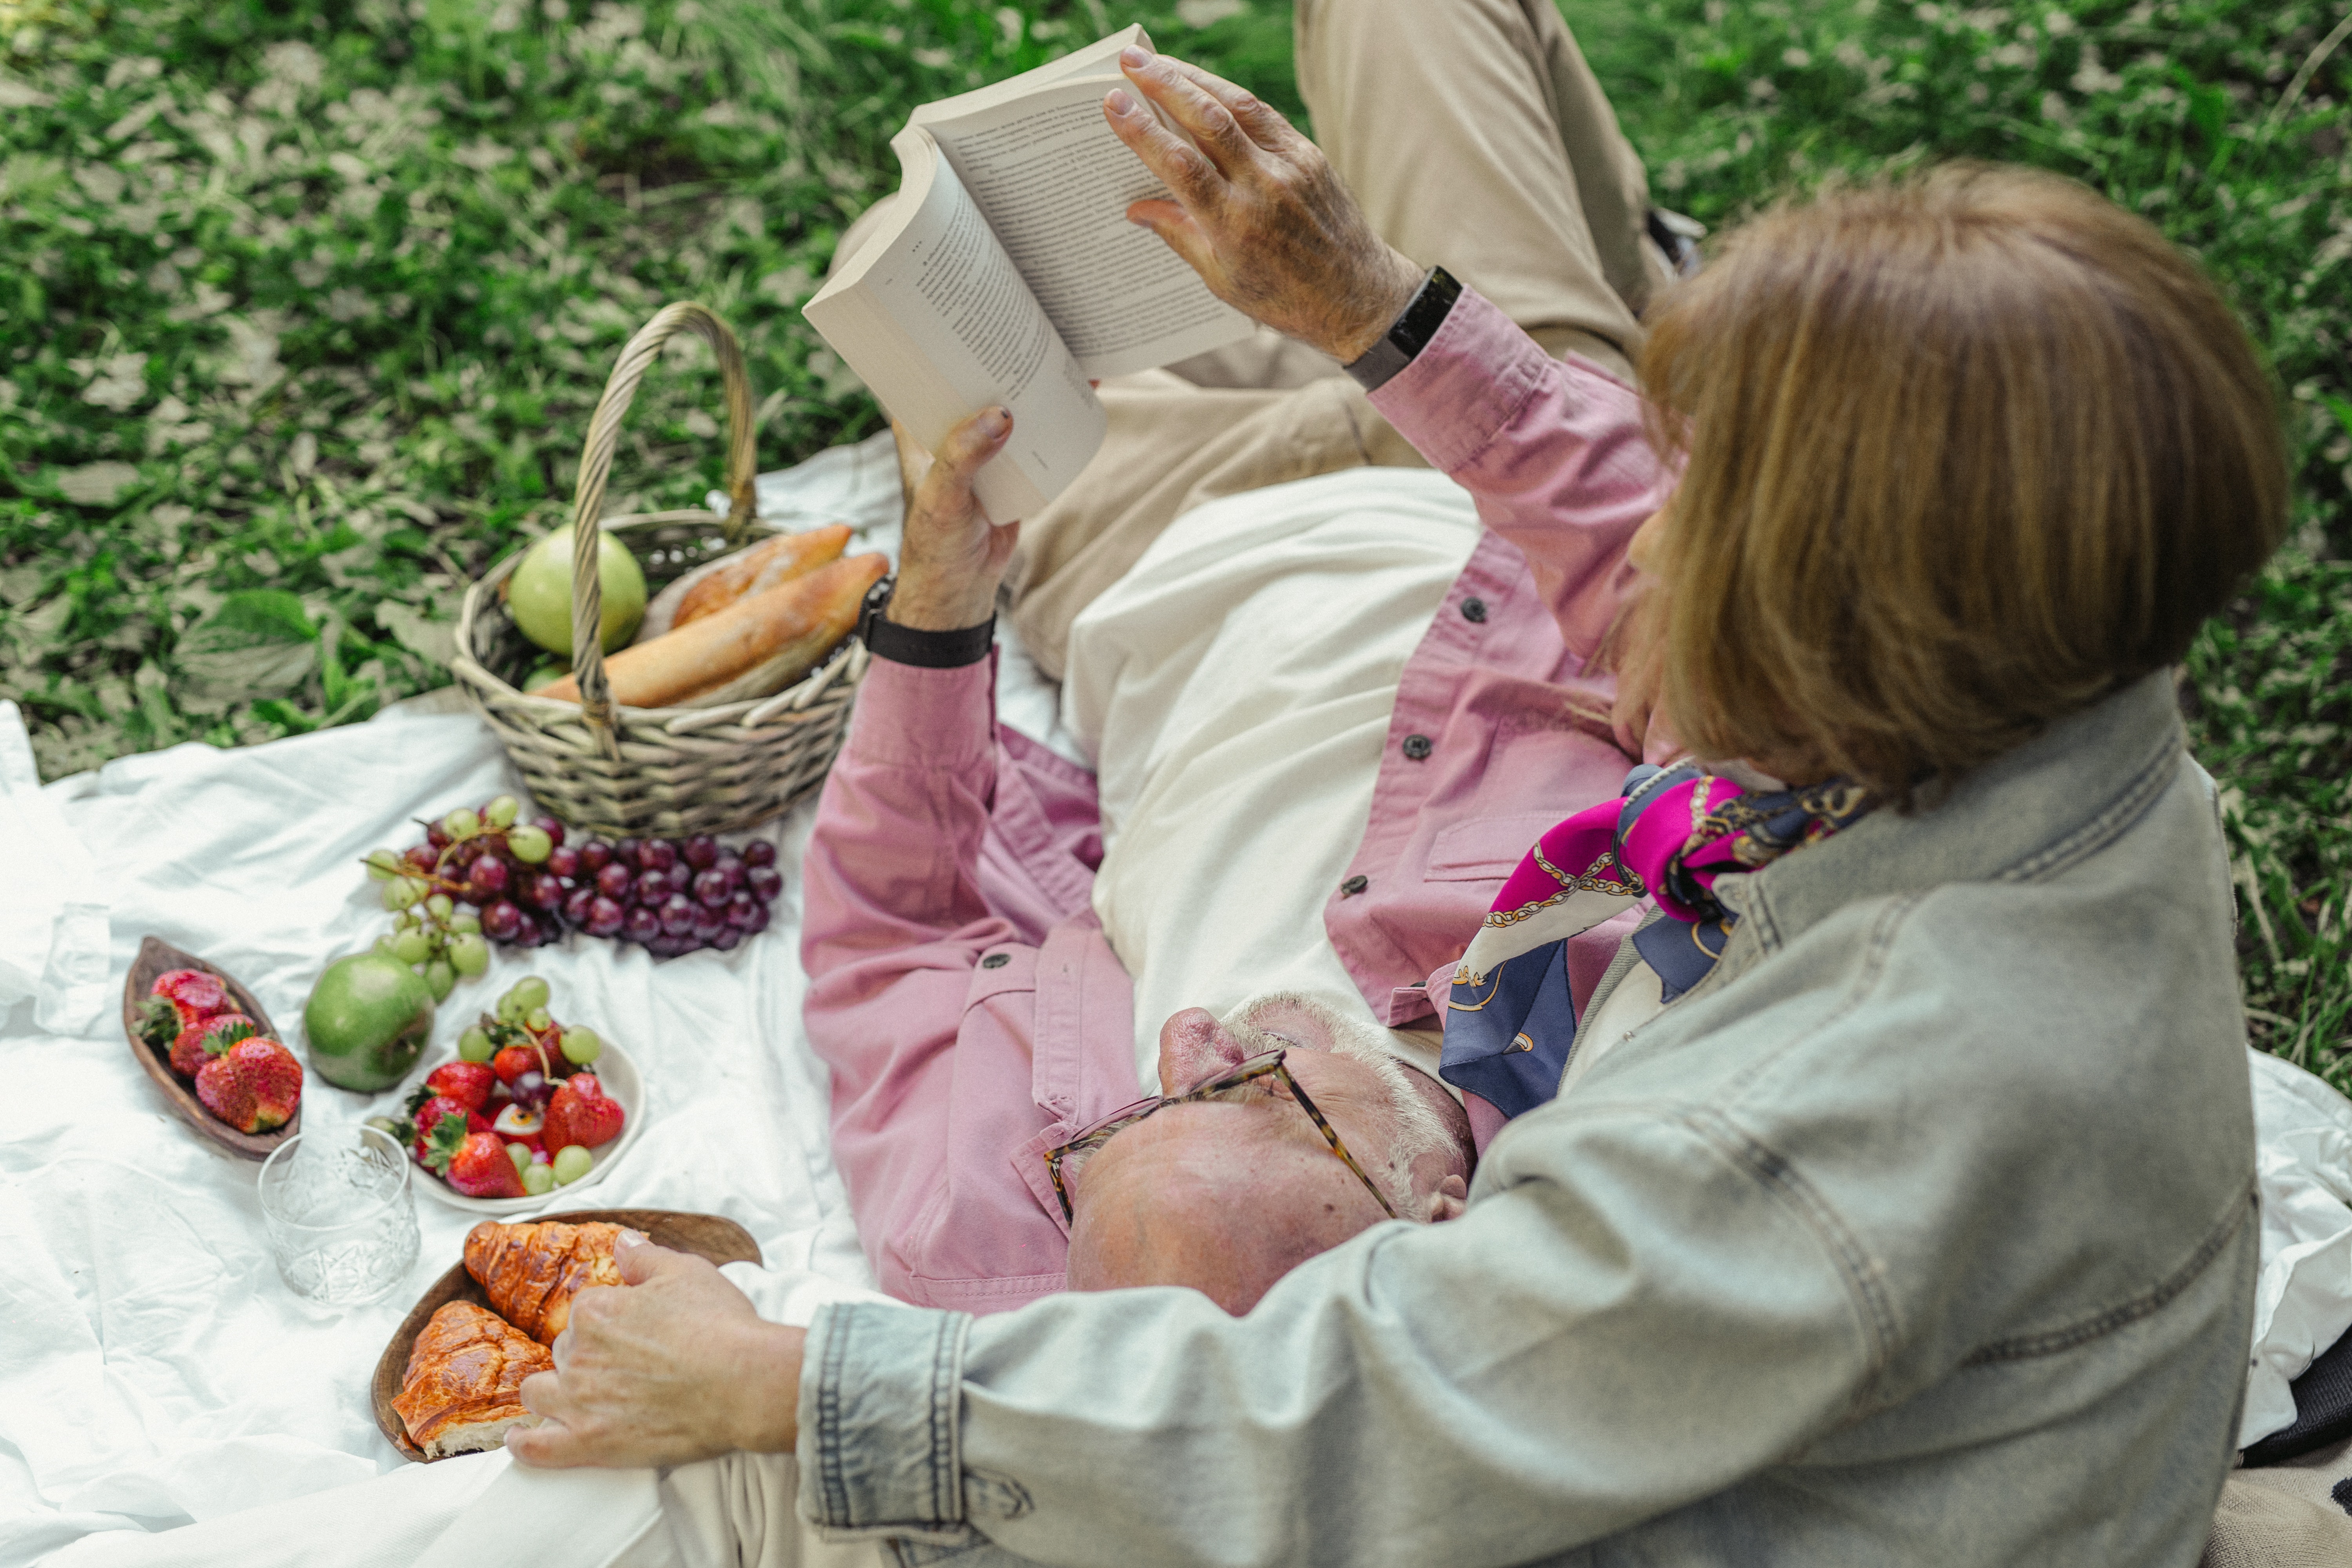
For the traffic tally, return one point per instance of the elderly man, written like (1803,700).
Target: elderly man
(1327,713)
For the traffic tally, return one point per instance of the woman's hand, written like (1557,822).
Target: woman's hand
(1637,645)
(674,1367)
(1640,658)
(953,557)
(1261,216)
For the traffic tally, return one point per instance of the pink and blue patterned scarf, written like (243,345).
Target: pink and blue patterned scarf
(1510,1021)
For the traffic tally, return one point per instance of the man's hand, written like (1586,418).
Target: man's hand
(1261,216)
(673,1368)
(951,556)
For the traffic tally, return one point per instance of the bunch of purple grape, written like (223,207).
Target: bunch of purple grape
(530,884)
(669,896)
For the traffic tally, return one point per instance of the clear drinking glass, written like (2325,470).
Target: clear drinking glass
(342,1222)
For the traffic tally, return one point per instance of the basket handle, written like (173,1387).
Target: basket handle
(596,466)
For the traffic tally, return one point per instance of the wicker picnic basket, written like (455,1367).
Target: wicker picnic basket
(714,767)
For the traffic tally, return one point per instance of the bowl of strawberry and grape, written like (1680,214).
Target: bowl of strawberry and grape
(528,1106)
(487,875)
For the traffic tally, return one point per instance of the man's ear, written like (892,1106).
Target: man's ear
(1449,1200)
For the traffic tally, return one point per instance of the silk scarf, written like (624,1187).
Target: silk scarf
(1510,1020)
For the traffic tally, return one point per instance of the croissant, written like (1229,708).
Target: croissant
(530,1272)
(461,1391)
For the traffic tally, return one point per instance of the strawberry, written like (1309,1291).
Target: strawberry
(220,1084)
(194,1047)
(194,992)
(180,1001)
(468,1083)
(253,1083)
(580,1112)
(476,1163)
(428,1109)
(514,1061)
(276,1077)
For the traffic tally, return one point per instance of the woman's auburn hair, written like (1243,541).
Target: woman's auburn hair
(1961,454)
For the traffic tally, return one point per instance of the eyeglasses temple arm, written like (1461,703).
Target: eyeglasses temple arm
(1331,1136)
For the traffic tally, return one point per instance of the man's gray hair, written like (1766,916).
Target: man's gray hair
(1418,1129)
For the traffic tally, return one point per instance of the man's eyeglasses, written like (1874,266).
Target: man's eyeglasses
(1233,1085)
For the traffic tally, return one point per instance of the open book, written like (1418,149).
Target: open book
(1007,272)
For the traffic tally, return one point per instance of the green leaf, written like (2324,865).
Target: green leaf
(257,615)
(159,1022)
(2341,407)
(257,644)
(434,640)
(441,1146)
(285,716)
(2209,106)
(337,682)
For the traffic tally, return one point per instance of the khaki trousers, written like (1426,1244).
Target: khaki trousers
(2284,1516)
(1474,136)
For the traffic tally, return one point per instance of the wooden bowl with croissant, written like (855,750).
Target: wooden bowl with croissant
(448,1381)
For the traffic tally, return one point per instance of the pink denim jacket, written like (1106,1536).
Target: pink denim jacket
(959,988)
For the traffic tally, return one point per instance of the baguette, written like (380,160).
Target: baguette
(806,617)
(765,565)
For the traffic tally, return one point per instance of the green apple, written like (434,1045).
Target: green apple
(539,595)
(367,1020)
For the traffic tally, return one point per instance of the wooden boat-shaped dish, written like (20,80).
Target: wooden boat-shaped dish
(710,1236)
(156,957)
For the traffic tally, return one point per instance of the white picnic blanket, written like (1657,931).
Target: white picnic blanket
(153,1369)
(153,1366)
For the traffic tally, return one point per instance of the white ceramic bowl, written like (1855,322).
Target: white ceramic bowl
(619,1076)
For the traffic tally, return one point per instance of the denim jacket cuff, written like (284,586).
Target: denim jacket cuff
(879,1422)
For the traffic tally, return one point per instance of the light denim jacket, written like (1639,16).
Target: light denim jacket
(1918,1233)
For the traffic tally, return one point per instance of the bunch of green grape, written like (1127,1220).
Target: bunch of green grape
(432,932)
(522,1019)
(439,940)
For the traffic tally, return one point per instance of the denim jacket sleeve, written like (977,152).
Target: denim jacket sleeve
(867,1362)
(1644,1307)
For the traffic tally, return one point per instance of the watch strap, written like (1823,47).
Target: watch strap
(1409,333)
(886,638)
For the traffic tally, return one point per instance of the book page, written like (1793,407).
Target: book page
(939,324)
(1053,181)
(1094,59)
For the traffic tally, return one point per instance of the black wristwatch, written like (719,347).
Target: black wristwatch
(1409,333)
(925,650)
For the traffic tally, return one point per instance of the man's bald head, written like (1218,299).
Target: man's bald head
(1228,1195)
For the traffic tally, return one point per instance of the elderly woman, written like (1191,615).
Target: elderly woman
(1898,1205)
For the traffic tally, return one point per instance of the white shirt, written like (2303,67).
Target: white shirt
(1235,688)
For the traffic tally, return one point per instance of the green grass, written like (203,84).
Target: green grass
(306,305)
